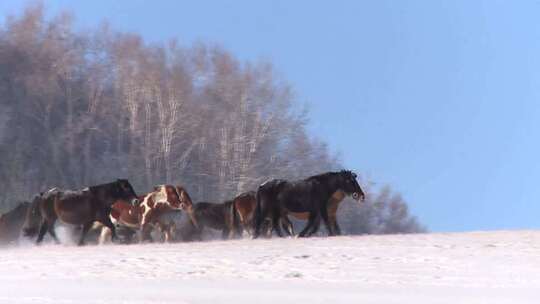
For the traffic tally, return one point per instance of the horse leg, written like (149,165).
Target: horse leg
(166,234)
(311,221)
(260,214)
(276,221)
(42,230)
(225,233)
(239,231)
(84,231)
(287,225)
(172,232)
(105,235)
(257,224)
(324,215)
(106,220)
(146,230)
(315,226)
(334,224)
(51,231)
(146,226)
(337,229)
(266,228)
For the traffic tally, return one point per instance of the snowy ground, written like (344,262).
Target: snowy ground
(480,267)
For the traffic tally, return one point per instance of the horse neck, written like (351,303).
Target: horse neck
(103,190)
(331,182)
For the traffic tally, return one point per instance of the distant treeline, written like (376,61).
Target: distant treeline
(83,108)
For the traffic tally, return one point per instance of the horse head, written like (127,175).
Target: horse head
(167,194)
(125,191)
(175,198)
(186,204)
(350,186)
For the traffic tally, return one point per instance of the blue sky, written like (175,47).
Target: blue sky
(439,99)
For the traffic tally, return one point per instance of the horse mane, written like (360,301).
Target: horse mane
(93,188)
(324,176)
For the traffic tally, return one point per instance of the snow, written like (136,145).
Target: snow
(474,267)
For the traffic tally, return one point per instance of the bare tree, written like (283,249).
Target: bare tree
(84,108)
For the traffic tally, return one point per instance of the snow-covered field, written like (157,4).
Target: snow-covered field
(477,267)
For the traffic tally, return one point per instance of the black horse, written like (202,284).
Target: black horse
(277,197)
(81,208)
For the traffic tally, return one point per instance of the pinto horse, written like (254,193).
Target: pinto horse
(153,211)
(81,208)
(276,198)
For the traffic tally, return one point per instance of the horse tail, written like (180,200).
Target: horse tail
(257,215)
(234,219)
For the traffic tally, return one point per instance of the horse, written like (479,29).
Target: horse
(332,207)
(214,216)
(12,222)
(246,203)
(278,197)
(153,211)
(83,207)
(231,217)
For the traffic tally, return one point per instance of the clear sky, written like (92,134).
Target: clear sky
(439,99)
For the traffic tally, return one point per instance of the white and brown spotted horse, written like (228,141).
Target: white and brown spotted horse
(152,212)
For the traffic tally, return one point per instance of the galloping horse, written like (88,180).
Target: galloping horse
(246,203)
(332,207)
(82,207)
(231,217)
(152,211)
(11,223)
(214,216)
(276,198)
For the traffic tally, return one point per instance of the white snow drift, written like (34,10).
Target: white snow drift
(481,267)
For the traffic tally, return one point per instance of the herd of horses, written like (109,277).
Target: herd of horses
(119,214)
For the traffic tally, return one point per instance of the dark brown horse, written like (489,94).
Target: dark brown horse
(83,207)
(246,207)
(276,198)
(12,222)
(231,217)
(152,211)
(215,216)
(332,207)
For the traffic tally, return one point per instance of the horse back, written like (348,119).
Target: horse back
(300,196)
(212,215)
(72,207)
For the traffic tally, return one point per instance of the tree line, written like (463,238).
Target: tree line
(82,108)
